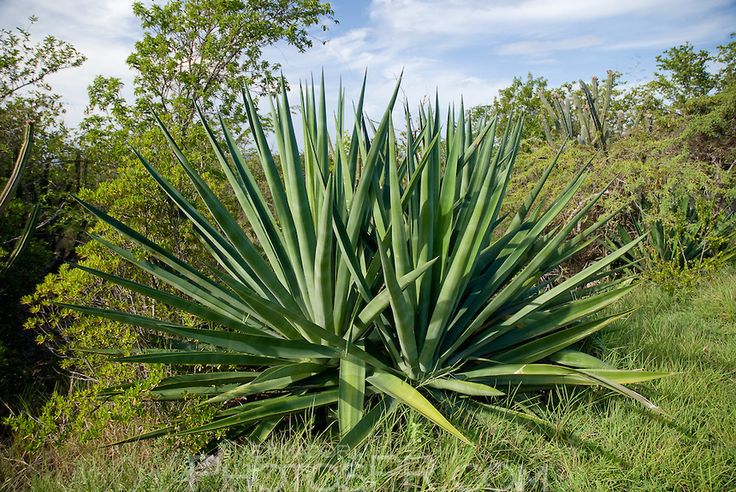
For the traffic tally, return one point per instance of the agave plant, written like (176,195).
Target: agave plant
(7,194)
(583,116)
(689,237)
(372,280)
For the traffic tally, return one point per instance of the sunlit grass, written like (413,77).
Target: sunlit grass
(592,442)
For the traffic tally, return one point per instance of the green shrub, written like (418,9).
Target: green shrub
(372,281)
(650,166)
(684,238)
(710,130)
(75,409)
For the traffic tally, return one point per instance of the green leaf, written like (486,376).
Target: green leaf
(256,345)
(405,393)
(274,378)
(546,375)
(206,379)
(575,358)
(24,240)
(267,409)
(21,163)
(464,387)
(352,394)
(542,347)
(214,358)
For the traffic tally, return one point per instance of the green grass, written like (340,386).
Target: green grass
(595,441)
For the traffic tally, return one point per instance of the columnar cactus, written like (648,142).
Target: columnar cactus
(582,116)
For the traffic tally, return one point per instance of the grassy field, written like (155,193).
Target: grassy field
(594,441)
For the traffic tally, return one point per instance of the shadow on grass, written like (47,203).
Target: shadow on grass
(527,419)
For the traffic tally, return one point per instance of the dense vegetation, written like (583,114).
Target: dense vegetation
(425,292)
(590,442)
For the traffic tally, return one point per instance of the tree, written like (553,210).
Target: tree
(519,97)
(683,74)
(204,51)
(710,133)
(25,95)
(726,57)
(24,65)
(192,51)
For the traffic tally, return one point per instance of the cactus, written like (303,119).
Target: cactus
(8,192)
(582,116)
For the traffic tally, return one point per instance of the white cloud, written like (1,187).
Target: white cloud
(470,17)
(103,30)
(539,48)
(347,58)
(694,32)
(468,47)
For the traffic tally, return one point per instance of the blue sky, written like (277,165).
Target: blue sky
(468,47)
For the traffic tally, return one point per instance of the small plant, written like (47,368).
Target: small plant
(7,194)
(371,279)
(683,238)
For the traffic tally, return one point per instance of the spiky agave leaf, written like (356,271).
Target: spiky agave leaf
(376,276)
(8,192)
(21,163)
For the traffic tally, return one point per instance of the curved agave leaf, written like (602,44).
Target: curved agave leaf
(24,240)
(464,387)
(350,406)
(267,409)
(8,192)
(405,393)
(204,358)
(18,169)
